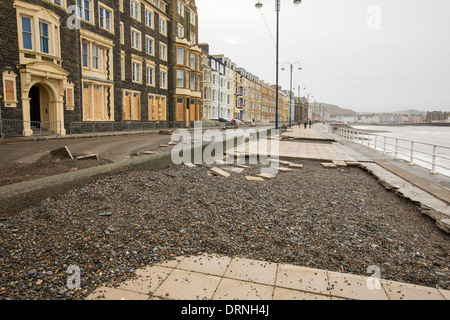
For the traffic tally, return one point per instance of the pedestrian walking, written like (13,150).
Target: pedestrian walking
(306,123)
(310,124)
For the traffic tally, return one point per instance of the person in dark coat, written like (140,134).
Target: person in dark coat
(310,124)
(306,123)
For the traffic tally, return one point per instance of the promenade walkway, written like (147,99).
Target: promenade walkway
(214,277)
(296,143)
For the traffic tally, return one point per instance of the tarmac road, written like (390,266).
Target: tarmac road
(114,149)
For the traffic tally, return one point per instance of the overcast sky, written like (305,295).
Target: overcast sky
(366,55)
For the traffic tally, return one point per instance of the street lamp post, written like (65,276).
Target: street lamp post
(290,90)
(259,5)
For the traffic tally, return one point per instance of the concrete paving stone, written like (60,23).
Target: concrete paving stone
(106,293)
(251,270)
(63,152)
(148,280)
(231,289)
(219,172)
(173,263)
(188,285)
(234,169)
(250,178)
(296,166)
(405,291)
(267,176)
(302,278)
(354,287)
(352,163)
(88,156)
(286,163)
(289,294)
(445,293)
(163,145)
(340,163)
(190,165)
(207,263)
(329,165)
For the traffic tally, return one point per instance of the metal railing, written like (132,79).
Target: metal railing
(432,156)
(17,128)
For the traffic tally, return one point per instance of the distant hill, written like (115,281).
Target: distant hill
(409,111)
(333,110)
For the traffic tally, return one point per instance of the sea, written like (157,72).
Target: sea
(424,137)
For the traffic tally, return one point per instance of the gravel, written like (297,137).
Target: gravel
(336,219)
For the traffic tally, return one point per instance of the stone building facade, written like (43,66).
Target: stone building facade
(103,61)
(186,62)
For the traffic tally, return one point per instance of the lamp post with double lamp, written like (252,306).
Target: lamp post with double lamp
(259,5)
(290,90)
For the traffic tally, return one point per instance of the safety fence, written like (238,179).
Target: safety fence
(19,128)
(37,129)
(434,157)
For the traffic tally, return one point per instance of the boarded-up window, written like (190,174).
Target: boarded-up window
(151,112)
(126,110)
(180,110)
(9,91)
(69,97)
(87,102)
(136,107)
(163,108)
(98,103)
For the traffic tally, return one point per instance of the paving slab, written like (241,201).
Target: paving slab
(404,291)
(267,176)
(219,172)
(303,279)
(252,271)
(218,277)
(207,263)
(328,165)
(250,178)
(231,289)
(188,285)
(354,287)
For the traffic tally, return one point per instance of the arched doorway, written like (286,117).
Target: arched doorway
(41,108)
(43,85)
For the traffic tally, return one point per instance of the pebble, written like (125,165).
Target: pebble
(318,222)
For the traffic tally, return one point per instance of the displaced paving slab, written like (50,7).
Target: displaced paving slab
(251,178)
(63,152)
(329,165)
(88,157)
(340,163)
(295,166)
(219,172)
(267,176)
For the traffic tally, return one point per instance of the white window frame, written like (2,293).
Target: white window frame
(136,77)
(135,10)
(103,21)
(139,39)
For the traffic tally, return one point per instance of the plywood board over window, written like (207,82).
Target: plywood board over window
(126,108)
(70,102)
(131,106)
(180,110)
(9,89)
(151,112)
